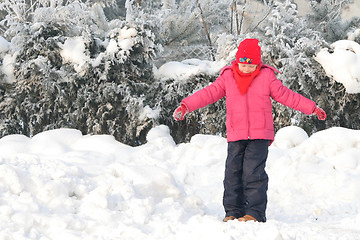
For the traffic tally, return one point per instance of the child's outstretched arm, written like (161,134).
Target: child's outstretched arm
(201,98)
(296,101)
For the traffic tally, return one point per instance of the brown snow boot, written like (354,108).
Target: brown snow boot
(247,218)
(229,218)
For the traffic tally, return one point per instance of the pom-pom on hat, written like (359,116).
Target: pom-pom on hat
(249,52)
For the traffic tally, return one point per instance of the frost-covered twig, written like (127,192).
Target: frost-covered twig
(265,16)
(205,27)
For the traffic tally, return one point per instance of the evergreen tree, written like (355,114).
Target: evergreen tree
(326,18)
(290,44)
(97,87)
(72,67)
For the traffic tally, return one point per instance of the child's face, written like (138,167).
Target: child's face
(247,68)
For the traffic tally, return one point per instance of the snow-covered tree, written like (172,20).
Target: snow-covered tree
(89,64)
(290,43)
(326,18)
(75,69)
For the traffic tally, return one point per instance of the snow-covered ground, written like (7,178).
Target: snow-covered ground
(60,184)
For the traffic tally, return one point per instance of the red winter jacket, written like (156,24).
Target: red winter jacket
(249,116)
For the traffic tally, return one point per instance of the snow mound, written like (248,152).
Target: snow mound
(289,137)
(60,184)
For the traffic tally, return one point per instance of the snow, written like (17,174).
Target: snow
(289,137)
(123,42)
(127,33)
(147,112)
(112,47)
(182,71)
(61,184)
(4,45)
(7,67)
(73,51)
(354,34)
(74,48)
(342,64)
(6,60)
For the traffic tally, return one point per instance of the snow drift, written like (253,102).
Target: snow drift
(63,185)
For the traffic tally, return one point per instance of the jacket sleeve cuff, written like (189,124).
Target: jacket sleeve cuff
(314,108)
(184,103)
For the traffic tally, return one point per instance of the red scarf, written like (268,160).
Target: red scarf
(243,80)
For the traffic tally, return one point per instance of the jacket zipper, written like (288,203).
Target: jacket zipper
(247,115)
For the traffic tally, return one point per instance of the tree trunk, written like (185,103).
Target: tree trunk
(205,28)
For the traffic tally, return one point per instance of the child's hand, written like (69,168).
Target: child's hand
(180,112)
(320,113)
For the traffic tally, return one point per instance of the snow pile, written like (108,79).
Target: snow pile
(119,43)
(121,40)
(184,70)
(342,63)
(73,51)
(289,137)
(63,185)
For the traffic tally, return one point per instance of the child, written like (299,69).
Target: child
(248,85)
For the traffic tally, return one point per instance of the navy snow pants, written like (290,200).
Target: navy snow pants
(246,182)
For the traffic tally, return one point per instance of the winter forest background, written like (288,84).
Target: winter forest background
(95,65)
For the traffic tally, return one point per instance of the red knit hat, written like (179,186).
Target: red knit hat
(249,52)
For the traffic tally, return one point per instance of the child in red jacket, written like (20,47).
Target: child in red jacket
(248,86)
